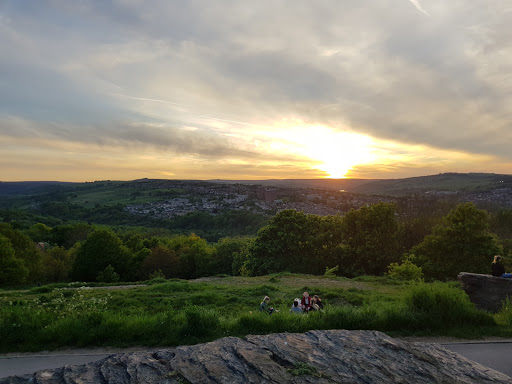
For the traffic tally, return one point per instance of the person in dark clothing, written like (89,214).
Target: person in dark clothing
(318,302)
(265,307)
(498,269)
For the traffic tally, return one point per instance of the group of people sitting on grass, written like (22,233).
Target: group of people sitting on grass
(305,305)
(498,269)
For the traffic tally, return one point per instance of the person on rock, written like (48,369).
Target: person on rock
(498,269)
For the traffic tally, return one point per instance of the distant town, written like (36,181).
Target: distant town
(198,196)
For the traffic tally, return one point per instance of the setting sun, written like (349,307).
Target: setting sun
(334,153)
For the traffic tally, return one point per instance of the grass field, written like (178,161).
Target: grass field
(174,312)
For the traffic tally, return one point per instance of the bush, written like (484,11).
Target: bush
(331,272)
(156,280)
(108,275)
(438,306)
(156,274)
(405,271)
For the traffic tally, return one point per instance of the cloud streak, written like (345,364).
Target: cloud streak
(419,7)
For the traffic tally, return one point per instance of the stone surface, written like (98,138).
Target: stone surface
(333,356)
(485,291)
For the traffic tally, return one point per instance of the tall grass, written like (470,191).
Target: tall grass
(179,312)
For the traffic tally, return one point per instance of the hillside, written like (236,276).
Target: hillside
(217,208)
(449,182)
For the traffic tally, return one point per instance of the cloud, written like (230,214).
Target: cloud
(419,7)
(128,74)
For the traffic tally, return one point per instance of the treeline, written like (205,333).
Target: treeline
(208,226)
(365,241)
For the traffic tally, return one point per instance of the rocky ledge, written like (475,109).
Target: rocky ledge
(485,291)
(334,356)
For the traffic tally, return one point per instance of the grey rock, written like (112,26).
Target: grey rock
(332,356)
(485,291)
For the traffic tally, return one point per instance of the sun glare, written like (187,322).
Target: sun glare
(335,153)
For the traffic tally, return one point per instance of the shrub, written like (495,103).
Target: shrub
(438,306)
(405,271)
(156,274)
(108,275)
(331,272)
(156,280)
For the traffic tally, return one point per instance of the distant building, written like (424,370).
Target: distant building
(267,194)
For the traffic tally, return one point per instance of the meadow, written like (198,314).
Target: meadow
(174,312)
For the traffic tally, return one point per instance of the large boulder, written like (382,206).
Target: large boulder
(485,291)
(333,356)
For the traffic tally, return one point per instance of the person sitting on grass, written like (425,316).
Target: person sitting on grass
(305,302)
(264,307)
(295,307)
(318,302)
(498,269)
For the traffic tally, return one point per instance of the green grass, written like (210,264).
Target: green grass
(184,312)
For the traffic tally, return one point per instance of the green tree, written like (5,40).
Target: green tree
(462,242)
(24,249)
(296,242)
(227,249)
(161,259)
(241,258)
(371,240)
(67,235)
(40,233)
(57,262)
(12,269)
(101,248)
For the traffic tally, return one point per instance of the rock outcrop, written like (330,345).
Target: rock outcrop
(485,291)
(334,356)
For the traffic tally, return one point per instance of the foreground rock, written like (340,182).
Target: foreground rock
(334,356)
(485,291)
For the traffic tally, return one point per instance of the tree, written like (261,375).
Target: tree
(39,233)
(101,248)
(67,235)
(227,249)
(296,242)
(25,250)
(161,259)
(12,269)
(57,262)
(462,242)
(371,240)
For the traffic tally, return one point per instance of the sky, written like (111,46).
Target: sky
(235,89)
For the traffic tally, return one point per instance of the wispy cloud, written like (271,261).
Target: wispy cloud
(419,7)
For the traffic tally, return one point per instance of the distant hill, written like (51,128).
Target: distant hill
(326,184)
(29,187)
(449,182)
(444,182)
